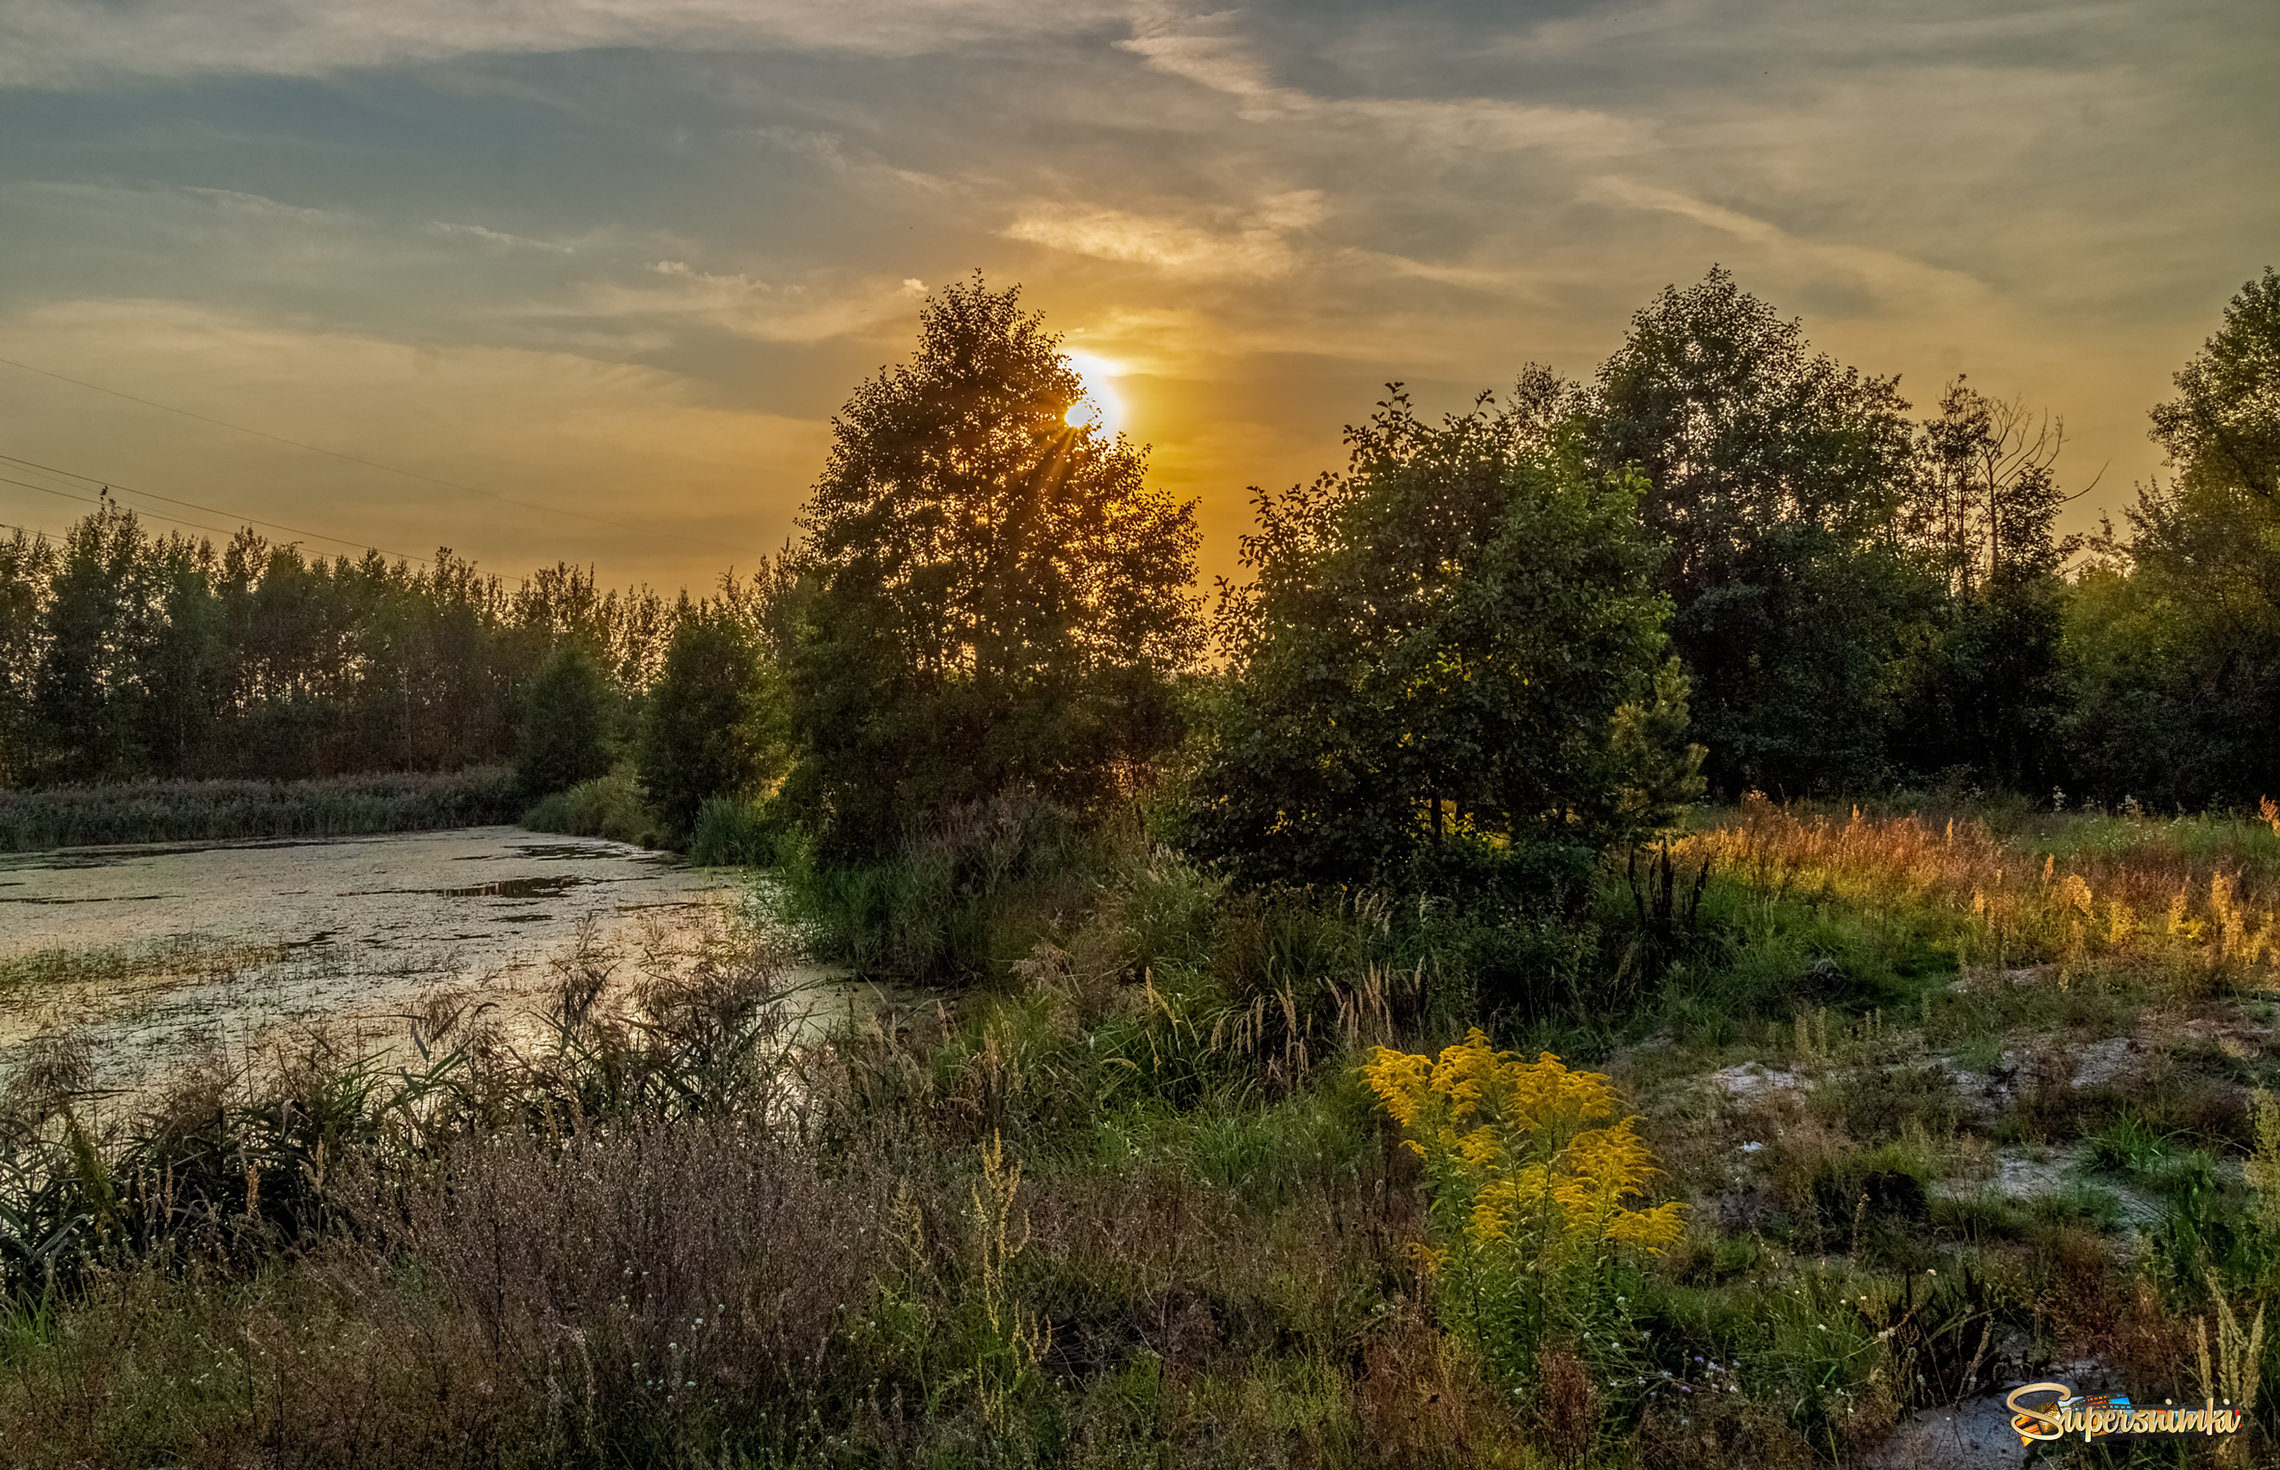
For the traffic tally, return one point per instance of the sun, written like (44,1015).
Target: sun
(1102,407)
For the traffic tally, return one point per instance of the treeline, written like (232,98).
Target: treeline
(1496,645)
(125,654)
(1724,559)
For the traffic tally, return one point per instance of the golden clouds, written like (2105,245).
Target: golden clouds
(1259,247)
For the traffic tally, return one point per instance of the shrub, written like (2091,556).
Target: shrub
(732,832)
(960,899)
(1526,1195)
(608,806)
(1431,729)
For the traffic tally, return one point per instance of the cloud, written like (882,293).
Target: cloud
(261,204)
(497,239)
(1265,209)
(834,153)
(1210,52)
(798,312)
(1899,280)
(622,442)
(1259,248)
(70,43)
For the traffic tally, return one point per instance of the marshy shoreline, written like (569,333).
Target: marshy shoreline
(197,811)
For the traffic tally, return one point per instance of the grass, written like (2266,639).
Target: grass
(608,806)
(173,960)
(1117,1195)
(215,811)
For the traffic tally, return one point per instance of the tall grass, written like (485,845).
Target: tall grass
(608,806)
(209,811)
(961,899)
(1123,1197)
(2195,896)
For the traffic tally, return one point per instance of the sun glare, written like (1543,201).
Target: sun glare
(1102,407)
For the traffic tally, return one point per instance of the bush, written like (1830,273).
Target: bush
(959,900)
(732,832)
(1527,1166)
(609,806)
(1431,730)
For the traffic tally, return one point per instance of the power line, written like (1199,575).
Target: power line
(376,464)
(116,487)
(193,505)
(95,500)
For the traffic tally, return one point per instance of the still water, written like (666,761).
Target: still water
(152,955)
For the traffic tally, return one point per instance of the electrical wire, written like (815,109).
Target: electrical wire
(118,489)
(97,500)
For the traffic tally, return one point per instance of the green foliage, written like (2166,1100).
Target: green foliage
(2172,638)
(988,598)
(125,655)
(27,564)
(88,697)
(1773,474)
(565,734)
(713,722)
(735,832)
(960,899)
(219,811)
(1450,669)
(607,806)
(1981,686)
(2224,425)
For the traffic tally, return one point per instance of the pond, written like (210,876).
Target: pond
(152,955)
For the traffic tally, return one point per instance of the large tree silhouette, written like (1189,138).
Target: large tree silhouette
(988,598)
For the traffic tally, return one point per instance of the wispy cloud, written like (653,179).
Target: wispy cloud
(1210,51)
(497,239)
(800,312)
(1259,247)
(1264,209)
(64,43)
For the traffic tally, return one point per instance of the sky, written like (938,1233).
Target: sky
(584,280)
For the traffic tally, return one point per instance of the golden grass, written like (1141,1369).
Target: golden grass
(2147,900)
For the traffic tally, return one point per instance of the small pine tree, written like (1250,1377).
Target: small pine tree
(565,735)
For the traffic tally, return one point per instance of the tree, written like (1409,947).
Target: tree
(987,598)
(2173,638)
(2224,425)
(1982,688)
(87,700)
(1450,667)
(565,732)
(1773,475)
(27,562)
(707,730)
(183,666)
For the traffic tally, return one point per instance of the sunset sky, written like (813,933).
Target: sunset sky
(597,272)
